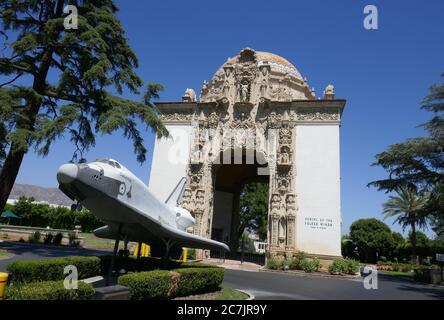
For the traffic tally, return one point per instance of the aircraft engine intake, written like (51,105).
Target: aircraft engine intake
(184,219)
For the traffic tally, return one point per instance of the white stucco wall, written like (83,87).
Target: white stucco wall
(170,160)
(318,189)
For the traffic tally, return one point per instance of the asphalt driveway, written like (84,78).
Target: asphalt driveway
(267,285)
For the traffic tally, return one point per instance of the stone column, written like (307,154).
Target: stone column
(290,231)
(274,230)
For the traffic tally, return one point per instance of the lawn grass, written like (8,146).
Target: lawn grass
(4,254)
(231,294)
(93,242)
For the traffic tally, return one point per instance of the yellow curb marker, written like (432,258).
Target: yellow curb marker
(3,282)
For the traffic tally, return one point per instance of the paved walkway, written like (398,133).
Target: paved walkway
(233,264)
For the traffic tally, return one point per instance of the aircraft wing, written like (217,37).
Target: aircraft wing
(143,227)
(189,240)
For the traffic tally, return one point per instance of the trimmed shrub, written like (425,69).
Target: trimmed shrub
(35,237)
(296,262)
(422,273)
(337,266)
(73,240)
(310,265)
(198,280)
(48,238)
(164,284)
(351,266)
(344,266)
(148,285)
(58,238)
(24,271)
(274,264)
(49,290)
(406,267)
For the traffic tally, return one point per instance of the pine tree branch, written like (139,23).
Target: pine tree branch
(9,82)
(9,64)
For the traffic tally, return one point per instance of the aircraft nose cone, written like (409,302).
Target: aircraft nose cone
(67,173)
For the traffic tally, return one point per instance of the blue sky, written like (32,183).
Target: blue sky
(382,73)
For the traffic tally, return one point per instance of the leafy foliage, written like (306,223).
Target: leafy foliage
(49,290)
(147,285)
(418,163)
(409,208)
(310,265)
(274,264)
(163,284)
(198,280)
(371,236)
(422,273)
(344,266)
(254,209)
(25,271)
(42,215)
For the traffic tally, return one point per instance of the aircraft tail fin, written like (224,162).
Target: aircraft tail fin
(175,197)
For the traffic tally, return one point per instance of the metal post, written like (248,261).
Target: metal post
(113,258)
(242,249)
(441,272)
(168,243)
(139,250)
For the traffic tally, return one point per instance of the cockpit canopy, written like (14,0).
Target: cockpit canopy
(109,161)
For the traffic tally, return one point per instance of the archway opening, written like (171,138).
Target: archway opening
(240,202)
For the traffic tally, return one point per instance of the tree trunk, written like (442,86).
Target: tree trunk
(414,257)
(29,114)
(9,173)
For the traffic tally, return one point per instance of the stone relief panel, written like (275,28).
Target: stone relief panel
(318,114)
(251,78)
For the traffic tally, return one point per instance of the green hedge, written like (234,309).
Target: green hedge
(198,280)
(43,215)
(49,290)
(148,285)
(163,284)
(25,271)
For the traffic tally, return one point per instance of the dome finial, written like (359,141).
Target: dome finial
(189,95)
(329,92)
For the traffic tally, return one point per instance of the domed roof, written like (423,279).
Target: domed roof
(277,63)
(253,76)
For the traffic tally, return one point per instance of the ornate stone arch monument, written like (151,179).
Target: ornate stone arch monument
(256,118)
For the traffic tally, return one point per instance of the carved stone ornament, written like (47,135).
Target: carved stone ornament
(176,117)
(320,114)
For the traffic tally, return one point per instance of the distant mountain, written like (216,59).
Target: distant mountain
(40,194)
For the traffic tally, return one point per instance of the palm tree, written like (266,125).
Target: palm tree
(408,206)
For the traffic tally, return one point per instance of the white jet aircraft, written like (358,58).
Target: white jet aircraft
(129,210)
